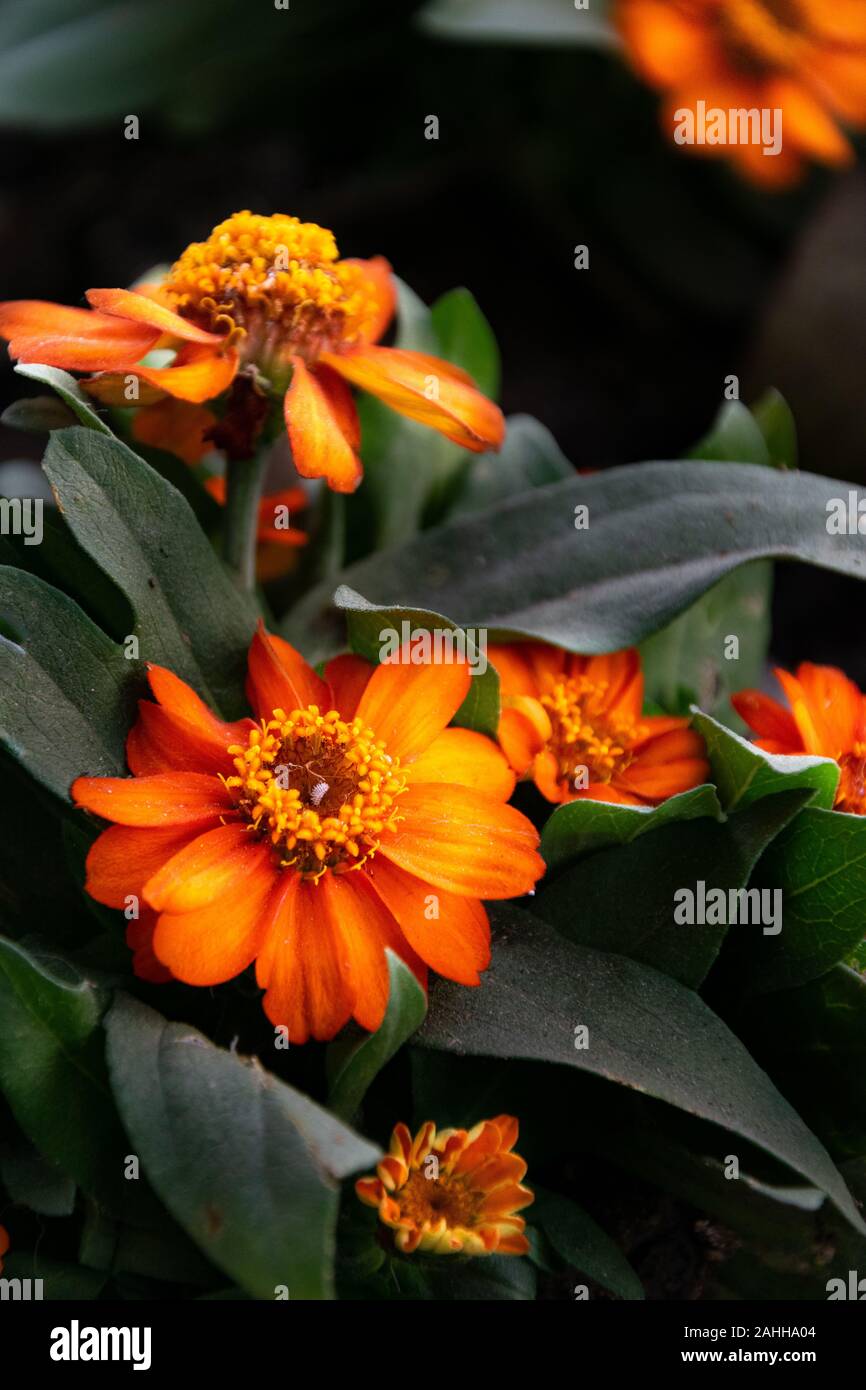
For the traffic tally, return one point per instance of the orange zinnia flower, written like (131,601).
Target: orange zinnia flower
(266,307)
(452,1191)
(806,58)
(575,724)
(827,718)
(347,820)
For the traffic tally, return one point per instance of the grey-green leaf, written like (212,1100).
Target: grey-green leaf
(249,1166)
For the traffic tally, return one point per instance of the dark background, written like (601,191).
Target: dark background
(321,112)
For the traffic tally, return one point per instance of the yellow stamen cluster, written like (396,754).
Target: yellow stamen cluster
(322,790)
(585,734)
(761,35)
(277,285)
(851,792)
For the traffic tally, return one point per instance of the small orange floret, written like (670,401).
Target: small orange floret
(452,1191)
(826,718)
(575,724)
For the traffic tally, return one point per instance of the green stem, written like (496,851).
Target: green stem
(243,489)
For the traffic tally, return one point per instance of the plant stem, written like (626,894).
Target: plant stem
(240,522)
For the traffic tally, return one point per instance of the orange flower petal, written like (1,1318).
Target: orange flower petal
(366,927)
(380,279)
(279,677)
(79,339)
(834,703)
(174,425)
(197,374)
(139,308)
(664,42)
(455,943)
(620,672)
(214,943)
(123,858)
(301,965)
(767,718)
(516,675)
(807,124)
(465,757)
(205,869)
(162,742)
(454,838)
(139,939)
(317,416)
(408,706)
(426,390)
(347,677)
(169,798)
(524,728)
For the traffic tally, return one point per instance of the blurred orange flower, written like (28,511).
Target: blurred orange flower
(826,718)
(575,725)
(265,307)
(452,1191)
(348,819)
(805,58)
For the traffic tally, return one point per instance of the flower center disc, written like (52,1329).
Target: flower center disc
(585,734)
(322,790)
(276,284)
(432,1199)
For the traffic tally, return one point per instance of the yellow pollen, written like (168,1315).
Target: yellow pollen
(585,734)
(321,790)
(851,792)
(277,285)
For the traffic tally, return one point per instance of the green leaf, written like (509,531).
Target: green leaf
(249,1166)
(52,1073)
(623,899)
(407,1005)
(69,392)
(465,337)
(66,694)
(37,415)
(530,457)
(138,528)
(777,425)
(582,1243)
(61,1282)
(736,437)
(659,536)
(812,1040)
(819,863)
(581,827)
(646,1031)
(743,773)
(34,1182)
(544,22)
(366,622)
(687,664)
